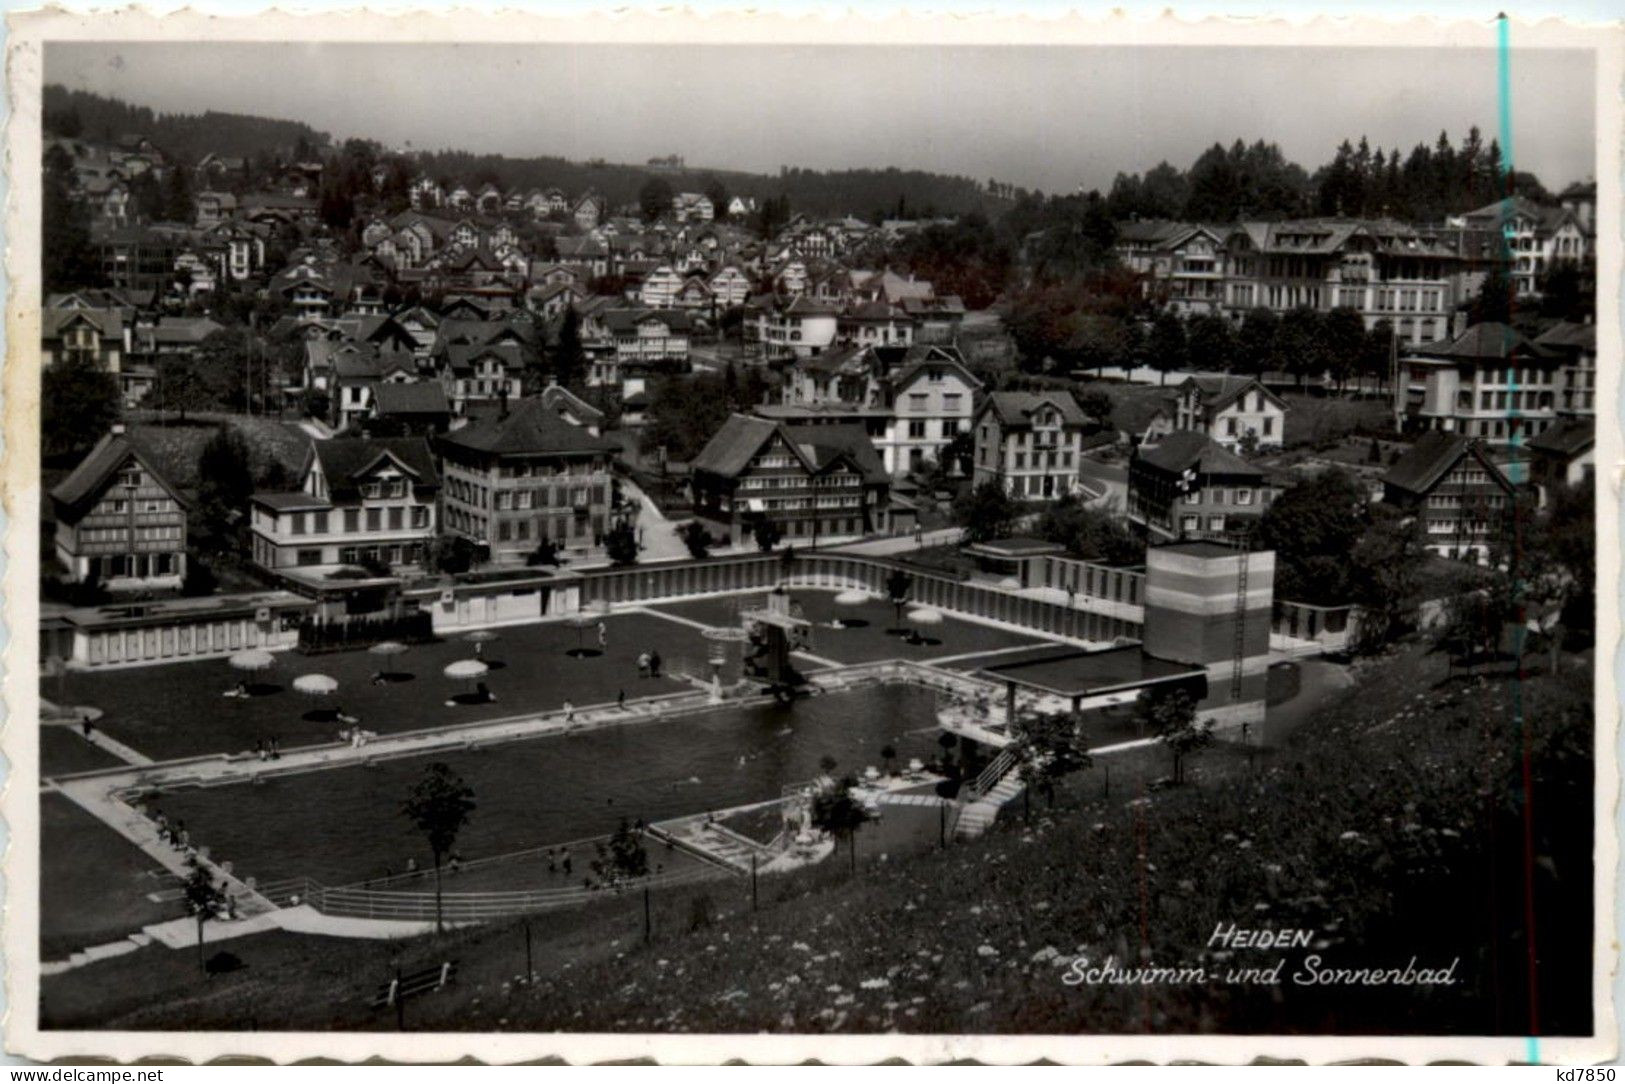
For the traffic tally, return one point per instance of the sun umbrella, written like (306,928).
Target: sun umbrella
(925,615)
(467,669)
(315,684)
(480,636)
(581,622)
(252,660)
(852,597)
(388,647)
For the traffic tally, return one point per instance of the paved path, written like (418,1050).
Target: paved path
(659,534)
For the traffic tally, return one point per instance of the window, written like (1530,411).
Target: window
(916,429)
(375,520)
(1244,496)
(397,516)
(298,522)
(950,401)
(420,516)
(352,520)
(347,555)
(308,557)
(320,526)
(917,401)
(1230,427)
(1269,427)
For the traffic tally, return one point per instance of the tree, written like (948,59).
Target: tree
(439,805)
(898,586)
(1167,348)
(187,382)
(718,195)
(621,544)
(1385,577)
(1049,746)
(1472,625)
(1344,343)
(1090,533)
(203,898)
(684,413)
(1313,527)
(623,858)
(1255,342)
(67,259)
(766,533)
(545,553)
(569,356)
(178,195)
(449,553)
(1171,716)
(985,512)
(1211,341)
(1096,406)
(79,402)
(654,198)
(696,538)
(837,812)
(1299,344)
(888,753)
(225,484)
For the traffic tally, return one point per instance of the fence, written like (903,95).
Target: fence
(1090,618)
(401,905)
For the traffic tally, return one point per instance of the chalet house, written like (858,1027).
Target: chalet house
(1462,498)
(1234,411)
(305,288)
(1189,486)
(557,202)
(213,208)
(119,522)
(460,198)
(813,482)
(78,333)
(357,376)
(660,287)
(729,287)
(799,329)
(481,372)
(1030,443)
(426,193)
(588,211)
(694,295)
(876,323)
(693,207)
(1182,264)
(239,249)
(359,499)
(647,335)
(526,475)
(1538,237)
(933,397)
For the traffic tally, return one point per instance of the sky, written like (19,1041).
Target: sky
(1057,118)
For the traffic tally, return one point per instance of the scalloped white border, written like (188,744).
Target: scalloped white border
(20,491)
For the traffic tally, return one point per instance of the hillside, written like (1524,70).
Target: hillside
(187,136)
(1391,825)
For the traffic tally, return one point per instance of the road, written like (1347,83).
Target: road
(1111,477)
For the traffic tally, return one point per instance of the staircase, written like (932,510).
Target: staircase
(997,784)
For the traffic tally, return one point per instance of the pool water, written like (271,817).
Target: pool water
(345,824)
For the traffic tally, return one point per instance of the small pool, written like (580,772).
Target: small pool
(345,824)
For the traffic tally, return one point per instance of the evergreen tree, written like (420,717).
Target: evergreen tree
(178,194)
(569,357)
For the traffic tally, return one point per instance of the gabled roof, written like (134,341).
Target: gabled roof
(1185,449)
(1432,457)
(1566,335)
(83,486)
(1219,392)
(460,357)
(924,357)
(346,460)
(109,323)
(1016,408)
(565,402)
(628,319)
(732,447)
(1568,438)
(421,397)
(531,426)
(1489,340)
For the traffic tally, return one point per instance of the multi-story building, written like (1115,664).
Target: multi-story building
(1189,486)
(1182,263)
(1461,496)
(1379,268)
(1536,238)
(1231,409)
(78,333)
(933,398)
(119,522)
(359,500)
(1031,443)
(815,483)
(800,329)
(1489,382)
(1576,347)
(525,475)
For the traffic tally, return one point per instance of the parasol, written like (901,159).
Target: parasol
(252,660)
(315,684)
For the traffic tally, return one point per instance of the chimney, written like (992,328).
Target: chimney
(117,429)
(502,401)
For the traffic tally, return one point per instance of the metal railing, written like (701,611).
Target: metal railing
(996,770)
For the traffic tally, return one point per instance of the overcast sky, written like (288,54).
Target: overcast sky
(1053,118)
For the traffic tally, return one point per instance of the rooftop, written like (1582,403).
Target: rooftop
(1090,673)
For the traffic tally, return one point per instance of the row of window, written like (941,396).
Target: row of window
(105,535)
(119,506)
(392,518)
(509,500)
(1266,427)
(137,565)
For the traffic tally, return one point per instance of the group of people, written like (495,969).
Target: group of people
(356,737)
(268,750)
(649,664)
(175,835)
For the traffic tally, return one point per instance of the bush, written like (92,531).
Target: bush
(223,962)
(199,580)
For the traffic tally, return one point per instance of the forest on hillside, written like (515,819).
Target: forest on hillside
(78,114)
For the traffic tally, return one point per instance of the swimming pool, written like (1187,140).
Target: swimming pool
(343,825)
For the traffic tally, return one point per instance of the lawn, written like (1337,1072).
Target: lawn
(178,710)
(344,824)
(866,643)
(62,751)
(1324,421)
(94,887)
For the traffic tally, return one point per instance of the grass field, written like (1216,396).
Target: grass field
(94,887)
(62,751)
(178,710)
